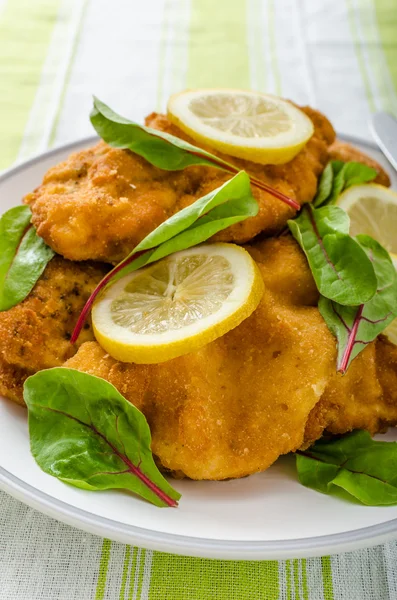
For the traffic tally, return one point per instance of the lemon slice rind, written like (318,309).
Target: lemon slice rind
(146,348)
(274,129)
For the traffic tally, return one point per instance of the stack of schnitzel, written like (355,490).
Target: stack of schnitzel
(267,387)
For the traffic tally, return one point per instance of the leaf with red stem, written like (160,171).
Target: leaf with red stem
(162,149)
(229,204)
(23,256)
(85,433)
(357,326)
(340,267)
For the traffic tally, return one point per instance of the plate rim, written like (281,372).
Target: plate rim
(175,543)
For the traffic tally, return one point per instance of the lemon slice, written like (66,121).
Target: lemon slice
(372,209)
(257,127)
(177,304)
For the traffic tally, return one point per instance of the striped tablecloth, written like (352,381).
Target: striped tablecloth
(337,55)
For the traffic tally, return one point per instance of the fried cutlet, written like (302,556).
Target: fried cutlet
(35,334)
(233,407)
(101,202)
(365,398)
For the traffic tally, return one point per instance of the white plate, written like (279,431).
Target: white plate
(265,516)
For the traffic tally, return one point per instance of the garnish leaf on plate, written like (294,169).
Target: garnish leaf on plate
(357,326)
(85,433)
(324,186)
(364,468)
(337,177)
(23,256)
(340,267)
(161,149)
(229,204)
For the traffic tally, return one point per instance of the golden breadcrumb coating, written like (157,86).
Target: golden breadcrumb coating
(264,389)
(101,202)
(35,334)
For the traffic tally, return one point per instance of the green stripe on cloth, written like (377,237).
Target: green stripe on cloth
(25,33)
(181,578)
(218,45)
(103,570)
(328,589)
(296,580)
(305,589)
(125,572)
(133,572)
(386,13)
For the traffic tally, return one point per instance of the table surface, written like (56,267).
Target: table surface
(54,54)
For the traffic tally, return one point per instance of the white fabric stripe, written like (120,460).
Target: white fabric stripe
(291,61)
(282,580)
(45,105)
(360,575)
(117,59)
(365,54)
(315,579)
(270,86)
(340,90)
(308,72)
(389,553)
(135,575)
(147,573)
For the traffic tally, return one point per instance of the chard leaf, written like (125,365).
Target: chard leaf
(85,433)
(161,149)
(23,256)
(348,174)
(337,177)
(229,204)
(324,186)
(340,267)
(364,468)
(356,326)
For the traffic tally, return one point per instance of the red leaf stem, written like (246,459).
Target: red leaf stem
(259,184)
(100,286)
(131,468)
(351,340)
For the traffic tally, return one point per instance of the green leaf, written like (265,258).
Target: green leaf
(23,256)
(229,204)
(85,433)
(337,177)
(340,267)
(324,186)
(348,174)
(364,468)
(356,326)
(161,149)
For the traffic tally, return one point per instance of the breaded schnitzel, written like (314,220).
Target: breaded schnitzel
(35,334)
(233,407)
(101,202)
